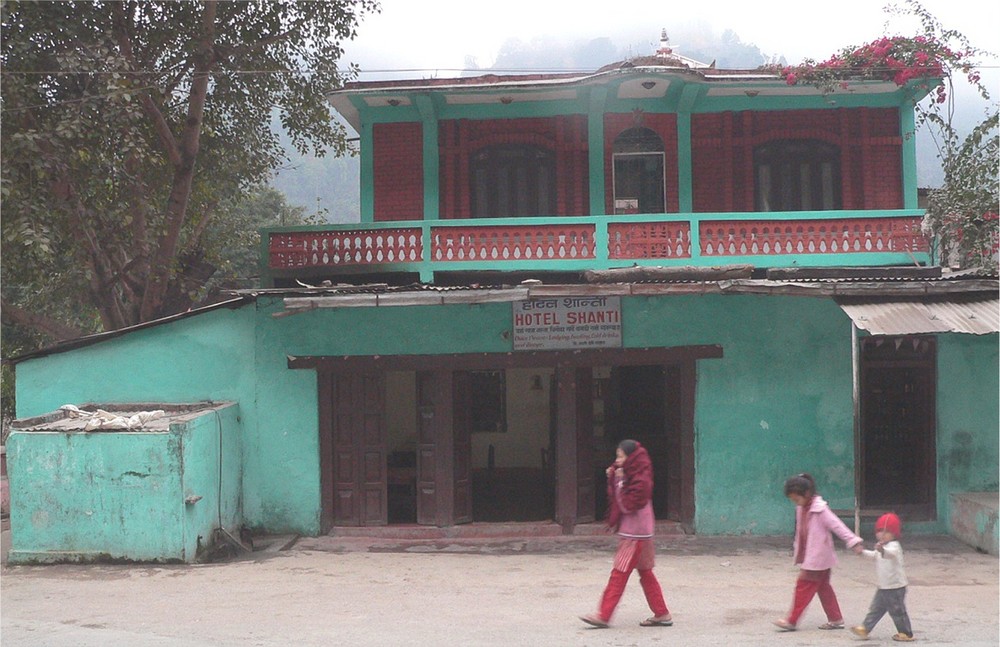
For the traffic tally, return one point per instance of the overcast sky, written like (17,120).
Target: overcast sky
(428,34)
(433,38)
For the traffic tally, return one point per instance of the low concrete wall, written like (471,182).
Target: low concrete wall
(974,520)
(152,495)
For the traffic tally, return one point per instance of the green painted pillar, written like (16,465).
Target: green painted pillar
(595,148)
(685,190)
(432,166)
(432,158)
(908,131)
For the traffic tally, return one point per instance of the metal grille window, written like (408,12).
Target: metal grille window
(513,181)
(797,175)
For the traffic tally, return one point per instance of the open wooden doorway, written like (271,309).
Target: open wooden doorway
(510,447)
(654,404)
(897,444)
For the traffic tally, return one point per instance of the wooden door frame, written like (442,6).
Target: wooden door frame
(680,454)
(566,362)
(923,511)
(367,479)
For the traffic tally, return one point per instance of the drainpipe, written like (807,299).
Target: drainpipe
(856,396)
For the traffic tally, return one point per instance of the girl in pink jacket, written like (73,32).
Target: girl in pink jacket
(814,553)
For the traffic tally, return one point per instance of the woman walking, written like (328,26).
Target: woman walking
(630,514)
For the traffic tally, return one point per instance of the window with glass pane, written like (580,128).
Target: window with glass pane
(513,181)
(638,172)
(797,175)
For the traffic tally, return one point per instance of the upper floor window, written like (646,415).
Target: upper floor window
(513,180)
(797,175)
(638,172)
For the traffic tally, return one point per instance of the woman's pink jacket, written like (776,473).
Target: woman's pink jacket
(820,523)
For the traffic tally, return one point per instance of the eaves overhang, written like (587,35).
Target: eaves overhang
(299,301)
(89,340)
(642,82)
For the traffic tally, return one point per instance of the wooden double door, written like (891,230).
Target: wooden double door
(354,470)
(353,448)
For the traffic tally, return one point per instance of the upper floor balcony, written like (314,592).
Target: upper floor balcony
(426,250)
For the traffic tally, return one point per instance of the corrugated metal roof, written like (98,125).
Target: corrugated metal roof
(979,317)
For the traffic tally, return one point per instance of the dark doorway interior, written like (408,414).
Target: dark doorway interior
(897,448)
(644,403)
(512,466)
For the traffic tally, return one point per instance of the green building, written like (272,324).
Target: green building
(725,267)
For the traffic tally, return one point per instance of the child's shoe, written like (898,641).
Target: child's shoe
(860,631)
(903,638)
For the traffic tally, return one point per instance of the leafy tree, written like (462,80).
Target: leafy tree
(236,236)
(128,128)
(232,245)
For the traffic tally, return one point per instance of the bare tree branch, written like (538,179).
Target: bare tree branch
(51,328)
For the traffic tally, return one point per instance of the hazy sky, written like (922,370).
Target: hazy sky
(441,33)
(433,37)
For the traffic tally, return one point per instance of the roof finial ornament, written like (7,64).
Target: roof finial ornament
(665,49)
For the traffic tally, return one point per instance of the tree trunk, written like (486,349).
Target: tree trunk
(161,268)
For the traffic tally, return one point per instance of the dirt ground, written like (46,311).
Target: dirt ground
(323,591)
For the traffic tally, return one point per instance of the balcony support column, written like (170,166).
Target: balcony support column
(685,186)
(432,166)
(908,130)
(431,156)
(595,149)
(367,153)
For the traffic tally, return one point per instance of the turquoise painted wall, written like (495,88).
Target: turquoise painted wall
(282,436)
(755,412)
(212,462)
(204,357)
(84,496)
(209,356)
(968,424)
(777,403)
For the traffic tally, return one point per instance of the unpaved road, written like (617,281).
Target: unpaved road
(722,591)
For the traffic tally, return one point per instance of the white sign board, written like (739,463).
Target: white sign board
(568,323)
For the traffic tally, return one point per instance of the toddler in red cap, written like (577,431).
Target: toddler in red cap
(891,594)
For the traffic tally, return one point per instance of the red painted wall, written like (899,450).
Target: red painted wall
(565,135)
(868,138)
(399,171)
(722,157)
(665,125)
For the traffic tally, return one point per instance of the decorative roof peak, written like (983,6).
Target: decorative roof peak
(665,50)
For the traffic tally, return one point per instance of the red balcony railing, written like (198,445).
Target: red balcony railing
(512,242)
(599,242)
(792,237)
